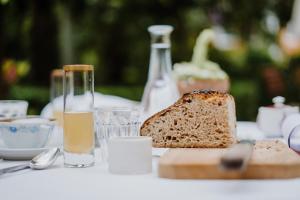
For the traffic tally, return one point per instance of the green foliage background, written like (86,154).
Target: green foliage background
(112,35)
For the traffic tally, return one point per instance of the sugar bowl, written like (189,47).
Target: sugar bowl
(270,118)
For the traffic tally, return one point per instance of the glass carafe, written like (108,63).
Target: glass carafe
(160,90)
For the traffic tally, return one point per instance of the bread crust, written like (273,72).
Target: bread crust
(186,86)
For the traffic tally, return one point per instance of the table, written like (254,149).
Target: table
(95,183)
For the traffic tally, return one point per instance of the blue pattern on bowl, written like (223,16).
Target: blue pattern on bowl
(13,129)
(26,135)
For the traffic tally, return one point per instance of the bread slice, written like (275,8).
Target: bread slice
(202,119)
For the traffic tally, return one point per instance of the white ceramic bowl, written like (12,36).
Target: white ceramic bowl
(13,108)
(30,132)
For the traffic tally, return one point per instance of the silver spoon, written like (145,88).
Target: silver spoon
(41,161)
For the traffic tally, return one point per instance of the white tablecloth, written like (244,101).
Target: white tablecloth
(59,183)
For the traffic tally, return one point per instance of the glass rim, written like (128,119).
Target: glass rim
(78,67)
(117,108)
(120,125)
(130,138)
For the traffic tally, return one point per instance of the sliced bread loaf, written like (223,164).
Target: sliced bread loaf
(198,119)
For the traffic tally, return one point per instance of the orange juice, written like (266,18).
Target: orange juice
(78,132)
(59,116)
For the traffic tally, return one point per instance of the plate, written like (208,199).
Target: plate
(19,154)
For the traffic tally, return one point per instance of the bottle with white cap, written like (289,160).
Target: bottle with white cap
(161,90)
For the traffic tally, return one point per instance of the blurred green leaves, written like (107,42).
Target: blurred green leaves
(112,35)
(3,2)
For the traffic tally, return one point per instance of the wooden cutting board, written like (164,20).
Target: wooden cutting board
(271,159)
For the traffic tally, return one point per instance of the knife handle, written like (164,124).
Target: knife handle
(237,157)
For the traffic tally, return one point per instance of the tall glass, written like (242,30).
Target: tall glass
(56,95)
(79,139)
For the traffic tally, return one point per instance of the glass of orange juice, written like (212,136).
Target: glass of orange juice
(79,139)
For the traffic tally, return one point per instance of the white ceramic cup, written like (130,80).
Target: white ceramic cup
(270,119)
(130,155)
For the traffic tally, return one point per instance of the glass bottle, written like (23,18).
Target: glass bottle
(160,90)
(56,94)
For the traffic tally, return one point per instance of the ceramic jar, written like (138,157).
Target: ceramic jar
(270,119)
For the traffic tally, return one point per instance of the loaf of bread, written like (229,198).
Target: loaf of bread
(202,119)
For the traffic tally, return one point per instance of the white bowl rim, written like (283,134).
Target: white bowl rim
(13,101)
(49,122)
(27,124)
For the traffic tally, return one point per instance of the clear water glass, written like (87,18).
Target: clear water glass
(113,122)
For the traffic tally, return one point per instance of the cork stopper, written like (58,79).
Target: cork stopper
(78,67)
(57,73)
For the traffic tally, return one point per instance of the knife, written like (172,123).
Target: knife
(236,158)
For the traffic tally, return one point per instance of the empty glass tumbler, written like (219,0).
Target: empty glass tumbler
(79,139)
(114,122)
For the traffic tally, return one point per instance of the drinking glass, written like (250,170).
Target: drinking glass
(293,139)
(56,95)
(79,139)
(116,122)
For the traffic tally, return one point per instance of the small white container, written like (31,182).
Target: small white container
(270,119)
(130,155)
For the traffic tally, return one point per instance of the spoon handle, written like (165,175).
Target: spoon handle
(13,169)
